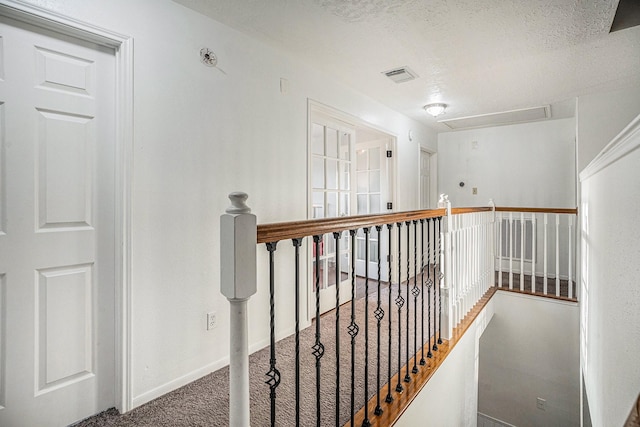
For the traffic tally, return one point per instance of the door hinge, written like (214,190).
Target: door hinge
(389,153)
(389,206)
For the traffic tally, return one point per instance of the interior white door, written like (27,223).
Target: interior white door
(425,179)
(56,227)
(373,193)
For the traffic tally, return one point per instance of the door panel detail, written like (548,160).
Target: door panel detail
(64,311)
(63,72)
(3,310)
(65,170)
(3,177)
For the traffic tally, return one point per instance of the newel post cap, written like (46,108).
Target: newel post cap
(238,203)
(238,236)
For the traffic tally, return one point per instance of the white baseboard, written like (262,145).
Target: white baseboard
(200,372)
(485,420)
(178,382)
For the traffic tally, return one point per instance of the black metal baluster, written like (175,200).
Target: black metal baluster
(273,374)
(407,378)
(440,276)
(435,282)
(415,291)
(422,361)
(297,243)
(318,347)
(389,397)
(353,327)
(399,303)
(336,237)
(429,284)
(436,261)
(365,422)
(379,313)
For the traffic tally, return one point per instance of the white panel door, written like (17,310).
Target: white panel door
(56,227)
(425,182)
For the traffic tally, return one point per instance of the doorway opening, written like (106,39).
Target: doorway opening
(351,172)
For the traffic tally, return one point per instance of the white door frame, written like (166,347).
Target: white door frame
(123,47)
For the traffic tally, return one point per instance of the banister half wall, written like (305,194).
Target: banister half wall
(374,299)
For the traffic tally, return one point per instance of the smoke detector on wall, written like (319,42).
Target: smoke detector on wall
(208,58)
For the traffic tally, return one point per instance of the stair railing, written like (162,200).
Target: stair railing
(440,263)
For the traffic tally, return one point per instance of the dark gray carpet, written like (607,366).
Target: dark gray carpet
(205,402)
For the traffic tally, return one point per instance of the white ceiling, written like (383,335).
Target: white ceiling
(477,56)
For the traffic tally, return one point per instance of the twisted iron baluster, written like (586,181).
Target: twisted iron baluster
(415,291)
(399,303)
(365,422)
(422,361)
(297,243)
(435,282)
(336,237)
(353,327)
(407,378)
(429,284)
(318,347)
(440,276)
(379,313)
(273,374)
(389,397)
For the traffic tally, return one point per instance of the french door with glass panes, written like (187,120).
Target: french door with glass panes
(373,192)
(332,153)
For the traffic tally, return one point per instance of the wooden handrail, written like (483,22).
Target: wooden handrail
(314,227)
(573,211)
(458,211)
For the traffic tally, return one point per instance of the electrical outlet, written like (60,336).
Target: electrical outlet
(474,190)
(211,320)
(541,403)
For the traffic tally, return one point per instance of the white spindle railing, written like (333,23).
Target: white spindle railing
(469,257)
(541,246)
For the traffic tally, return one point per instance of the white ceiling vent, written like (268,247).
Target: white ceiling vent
(497,119)
(400,75)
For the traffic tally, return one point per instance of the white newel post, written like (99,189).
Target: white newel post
(446,261)
(238,232)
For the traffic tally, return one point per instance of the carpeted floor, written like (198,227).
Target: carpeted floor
(205,402)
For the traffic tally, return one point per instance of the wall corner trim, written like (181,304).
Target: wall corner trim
(624,143)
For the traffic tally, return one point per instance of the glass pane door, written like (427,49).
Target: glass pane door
(331,175)
(372,195)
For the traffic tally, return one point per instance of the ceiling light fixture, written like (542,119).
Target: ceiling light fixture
(435,109)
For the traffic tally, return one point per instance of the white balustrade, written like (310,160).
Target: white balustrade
(526,252)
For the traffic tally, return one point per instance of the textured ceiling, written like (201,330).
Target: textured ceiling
(477,56)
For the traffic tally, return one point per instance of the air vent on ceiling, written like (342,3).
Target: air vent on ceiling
(400,75)
(497,119)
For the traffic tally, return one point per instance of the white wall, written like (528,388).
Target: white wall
(610,318)
(450,398)
(531,164)
(529,350)
(200,134)
(601,116)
